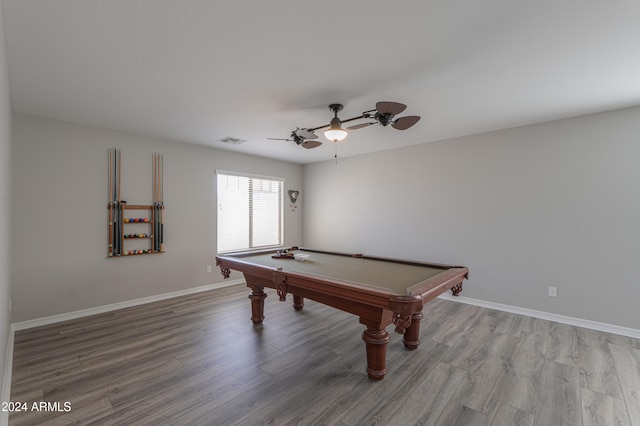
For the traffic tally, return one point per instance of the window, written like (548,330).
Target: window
(249,211)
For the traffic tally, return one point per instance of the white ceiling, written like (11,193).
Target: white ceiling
(198,71)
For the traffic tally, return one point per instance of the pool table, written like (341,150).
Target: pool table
(379,290)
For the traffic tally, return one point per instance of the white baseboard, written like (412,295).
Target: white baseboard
(594,325)
(578,322)
(120,305)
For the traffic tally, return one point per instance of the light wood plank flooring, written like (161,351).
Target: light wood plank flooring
(198,360)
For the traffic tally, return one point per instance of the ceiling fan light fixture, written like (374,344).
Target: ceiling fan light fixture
(335,132)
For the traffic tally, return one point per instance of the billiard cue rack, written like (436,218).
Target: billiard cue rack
(145,228)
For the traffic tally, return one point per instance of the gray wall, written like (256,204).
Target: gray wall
(60,215)
(5,207)
(554,204)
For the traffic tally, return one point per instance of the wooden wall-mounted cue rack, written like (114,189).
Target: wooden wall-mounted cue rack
(131,232)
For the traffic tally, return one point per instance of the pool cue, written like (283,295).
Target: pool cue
(156,233)
(153,210)
(113,201)
(117,234)
(161,201)
(120,207)
(109,205)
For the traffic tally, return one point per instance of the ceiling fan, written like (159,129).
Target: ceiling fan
(301,137)
(383,114)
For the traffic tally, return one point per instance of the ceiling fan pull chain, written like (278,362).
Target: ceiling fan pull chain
(336,151)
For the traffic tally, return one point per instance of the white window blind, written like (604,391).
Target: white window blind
(249,211)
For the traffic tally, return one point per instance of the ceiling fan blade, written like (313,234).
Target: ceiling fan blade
(359,126)
(306,134)
(311,144)
(392,108)
(278,139)
(403,123)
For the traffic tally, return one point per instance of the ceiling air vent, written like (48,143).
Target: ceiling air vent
(232,141)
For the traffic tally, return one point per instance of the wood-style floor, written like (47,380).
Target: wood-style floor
(198,360)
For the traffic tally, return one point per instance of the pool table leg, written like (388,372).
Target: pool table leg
(411,338)
(376,339)
(456,289)
(257,297)
(298,302)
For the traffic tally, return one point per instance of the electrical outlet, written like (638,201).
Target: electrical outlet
(553,292)
(209,269)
